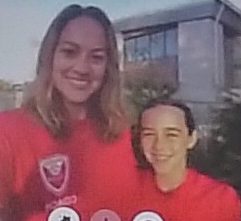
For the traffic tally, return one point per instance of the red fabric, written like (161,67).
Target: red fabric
(101,174)
(198,198)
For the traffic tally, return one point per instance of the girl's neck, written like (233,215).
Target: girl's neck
(171,181)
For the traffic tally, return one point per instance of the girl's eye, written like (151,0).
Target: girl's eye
(172,135)
(146,134)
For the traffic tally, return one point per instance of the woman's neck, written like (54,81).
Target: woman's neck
(76,111)
(171,181)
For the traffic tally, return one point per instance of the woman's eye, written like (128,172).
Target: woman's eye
(98,58)
(67,52)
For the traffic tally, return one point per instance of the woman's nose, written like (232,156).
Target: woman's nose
(81,65)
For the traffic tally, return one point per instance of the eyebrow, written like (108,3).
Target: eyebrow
(97,49)
(167,128)
(68,43)
(173,129)
(147,128)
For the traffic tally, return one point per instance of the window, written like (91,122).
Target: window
(157,45)
(151,46)
(171,42)
(130,50)
(142,48)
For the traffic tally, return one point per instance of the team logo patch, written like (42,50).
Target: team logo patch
(105,215)
(54,171)
(147,216)
(64,214)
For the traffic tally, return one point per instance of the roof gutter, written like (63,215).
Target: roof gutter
(218,76)
(232,6)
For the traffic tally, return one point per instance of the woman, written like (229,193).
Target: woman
(66,146)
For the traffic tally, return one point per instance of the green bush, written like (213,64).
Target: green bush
(140,88)
(224,149)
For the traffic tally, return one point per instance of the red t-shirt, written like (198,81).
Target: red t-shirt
(39,173)
(199,198)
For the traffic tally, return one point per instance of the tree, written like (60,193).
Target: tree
(224,151)
(5,86)
(144,84)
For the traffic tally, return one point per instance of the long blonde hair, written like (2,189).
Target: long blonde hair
(44,100)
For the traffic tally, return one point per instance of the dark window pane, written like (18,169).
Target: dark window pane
(157,45)
(130,50)
(142,48)
(171,42)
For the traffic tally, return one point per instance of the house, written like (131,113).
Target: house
(196,48)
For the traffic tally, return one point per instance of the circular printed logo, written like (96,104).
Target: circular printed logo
(147,216)
(63,214)
(105,215)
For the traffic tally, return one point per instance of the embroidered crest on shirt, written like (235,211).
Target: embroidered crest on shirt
(54,171)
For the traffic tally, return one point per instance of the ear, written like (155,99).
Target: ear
(192,140)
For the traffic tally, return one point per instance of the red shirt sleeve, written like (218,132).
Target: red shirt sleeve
(234,205)
(230,208)
(6,170)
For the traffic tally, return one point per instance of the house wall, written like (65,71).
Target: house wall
(200,65)
(236,63)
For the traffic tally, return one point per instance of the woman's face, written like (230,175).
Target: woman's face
(80,60)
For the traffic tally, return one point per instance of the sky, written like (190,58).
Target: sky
(24,23)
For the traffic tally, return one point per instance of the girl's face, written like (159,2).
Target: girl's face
(80,60)
(165,139)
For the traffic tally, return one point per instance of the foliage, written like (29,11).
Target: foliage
(142,86)
(224,152)
(5,86)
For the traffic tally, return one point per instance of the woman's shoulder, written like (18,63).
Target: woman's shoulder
(15,118)
(8,114)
